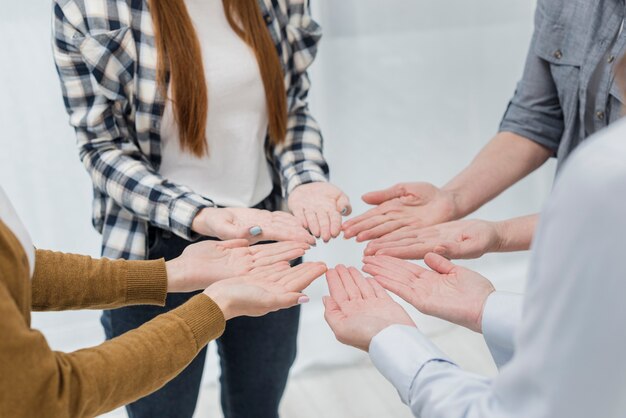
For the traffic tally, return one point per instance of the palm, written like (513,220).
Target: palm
(458,239)
(450,292)
(411,204)
(319,207)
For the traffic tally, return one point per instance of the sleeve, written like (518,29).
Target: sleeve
(97,73)
(300,159)
(90,382)
(567,360)
(65,282)
(501,317)
(535,110)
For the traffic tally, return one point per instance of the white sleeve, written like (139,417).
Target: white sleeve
(501,317)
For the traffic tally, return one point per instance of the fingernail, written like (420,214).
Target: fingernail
(344,211)
(303,300)
(256,231)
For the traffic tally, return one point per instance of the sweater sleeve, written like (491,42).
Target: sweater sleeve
(93,381)
(65,282)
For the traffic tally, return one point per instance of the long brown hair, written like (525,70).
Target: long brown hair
(180,62)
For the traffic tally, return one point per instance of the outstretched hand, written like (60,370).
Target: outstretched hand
(267,289)
(359,308)
(406,204)
(449,292)
(319,207)
(455,240)
(206,262)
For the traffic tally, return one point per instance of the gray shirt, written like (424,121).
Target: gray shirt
(567,91)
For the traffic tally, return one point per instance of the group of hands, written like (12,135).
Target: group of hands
(408,221)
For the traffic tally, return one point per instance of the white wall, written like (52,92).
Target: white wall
(404,89)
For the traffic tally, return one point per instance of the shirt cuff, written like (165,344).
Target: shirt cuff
(311,175)
(399,352)
(146,282)
(182,212)
(204,317)
(501,316)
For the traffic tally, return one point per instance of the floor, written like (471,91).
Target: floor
(357,391)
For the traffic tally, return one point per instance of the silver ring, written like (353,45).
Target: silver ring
(256,231)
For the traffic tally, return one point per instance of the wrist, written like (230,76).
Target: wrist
(500,240)
(477,326)
(175,276)
(457,208)
(201,224)
(221,299)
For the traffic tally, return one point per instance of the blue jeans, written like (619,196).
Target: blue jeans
(255,355)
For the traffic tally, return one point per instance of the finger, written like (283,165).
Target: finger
(365,224)
(398,288)
(378,210)
(348,283)
(380,292)
(284,233)
(335,224)
(289,300)
(335,286)
(439,264)
(367,292)
(375,246)
(379,196)
(343,205)
(266,250)
(380,230)
(411,252)
(285,256)
(312,221)
(235,243)
(394,264)
(324,221)
(409,231)
(332,311)
(299,214)
(298,280)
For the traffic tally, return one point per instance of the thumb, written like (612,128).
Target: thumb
(439,264)
(380,196)
(343,205)
(235,243)
(288,300)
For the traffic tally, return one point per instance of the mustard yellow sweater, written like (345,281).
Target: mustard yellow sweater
(36,382)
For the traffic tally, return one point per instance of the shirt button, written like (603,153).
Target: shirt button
(600,115)
(611,59)
(268,19)
(558,54)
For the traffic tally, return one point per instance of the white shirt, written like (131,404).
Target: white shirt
(569,348)
(9,217)
(235,173)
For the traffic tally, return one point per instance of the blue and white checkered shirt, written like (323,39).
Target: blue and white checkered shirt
(106,59)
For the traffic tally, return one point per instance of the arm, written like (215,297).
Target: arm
(93,381)
(462,239)
(96,82)
(530,133)
(64,281)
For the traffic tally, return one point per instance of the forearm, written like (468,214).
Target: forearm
(93,381)
(506,159)
(516,234)
(65,282)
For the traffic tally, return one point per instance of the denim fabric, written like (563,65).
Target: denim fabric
(255,354)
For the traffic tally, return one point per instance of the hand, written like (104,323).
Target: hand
(359,308)
(457,239)
(265,290)
(319,207)
(206,262)
(407,204)
(232,223)
(450,292)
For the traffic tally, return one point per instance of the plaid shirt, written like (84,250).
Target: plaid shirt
(106,58)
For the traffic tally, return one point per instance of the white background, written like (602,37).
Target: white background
(404,89)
